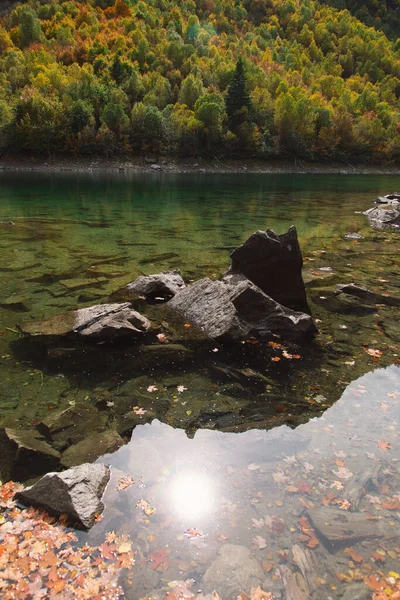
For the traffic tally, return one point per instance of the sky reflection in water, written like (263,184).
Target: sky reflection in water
(230,488)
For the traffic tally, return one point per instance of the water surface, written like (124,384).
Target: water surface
(248,438)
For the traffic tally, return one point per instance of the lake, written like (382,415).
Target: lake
(242,456)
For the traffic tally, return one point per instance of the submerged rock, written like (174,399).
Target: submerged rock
(165,284)
(76,492)
(100,322)
(15,303)
(24,454)
(235,570)
(273,263)
(234,309)
(366,295)
(71,425)
(91,447)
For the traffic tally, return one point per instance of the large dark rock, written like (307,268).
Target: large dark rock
(76,492)
(384,215)
(100,322)
(164,285)
(25,454)
(273,263)
(234,309)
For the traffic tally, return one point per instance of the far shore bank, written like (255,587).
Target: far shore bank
(153,164)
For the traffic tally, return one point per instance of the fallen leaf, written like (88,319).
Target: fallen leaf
(373,352)
(384,445)
(259,542)
(358,558)
(125,547)
(194,533)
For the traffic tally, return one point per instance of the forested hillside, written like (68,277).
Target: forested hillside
(105,77)
(382,14)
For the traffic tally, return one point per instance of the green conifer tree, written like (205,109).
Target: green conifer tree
(238,102)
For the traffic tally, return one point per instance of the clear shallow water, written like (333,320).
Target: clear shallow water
(79,238)
(254,490)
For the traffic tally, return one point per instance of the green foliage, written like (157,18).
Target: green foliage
(240,77)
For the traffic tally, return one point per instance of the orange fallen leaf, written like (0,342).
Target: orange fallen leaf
(384,445)
(355,556)
(268,565)
(275,358)
(124,482)
(391,504)
(374,583)
(193,533)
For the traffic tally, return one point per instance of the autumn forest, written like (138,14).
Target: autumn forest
(232,78)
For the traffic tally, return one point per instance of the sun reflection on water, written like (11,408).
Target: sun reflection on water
(191,496)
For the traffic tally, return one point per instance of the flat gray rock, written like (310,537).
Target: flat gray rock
(99,322)
(165,284)
(76,492)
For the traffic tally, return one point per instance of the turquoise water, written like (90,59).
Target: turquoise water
(249,437)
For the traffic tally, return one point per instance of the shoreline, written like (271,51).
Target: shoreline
(152,164)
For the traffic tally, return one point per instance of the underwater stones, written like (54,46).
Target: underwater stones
(99,322)
(15,303)
(71,425)
(91,447)
(384,216)
(273,263)
(157,258)
(234,571)
(339,529)
(234,309)
(165,284)
(24,454)
(126,423)
(78,283)
(366,295)
(76,492)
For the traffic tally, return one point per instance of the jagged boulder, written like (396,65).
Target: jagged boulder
(273,263)
(163,285)
(76,492)
(234,308)
(100,322)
